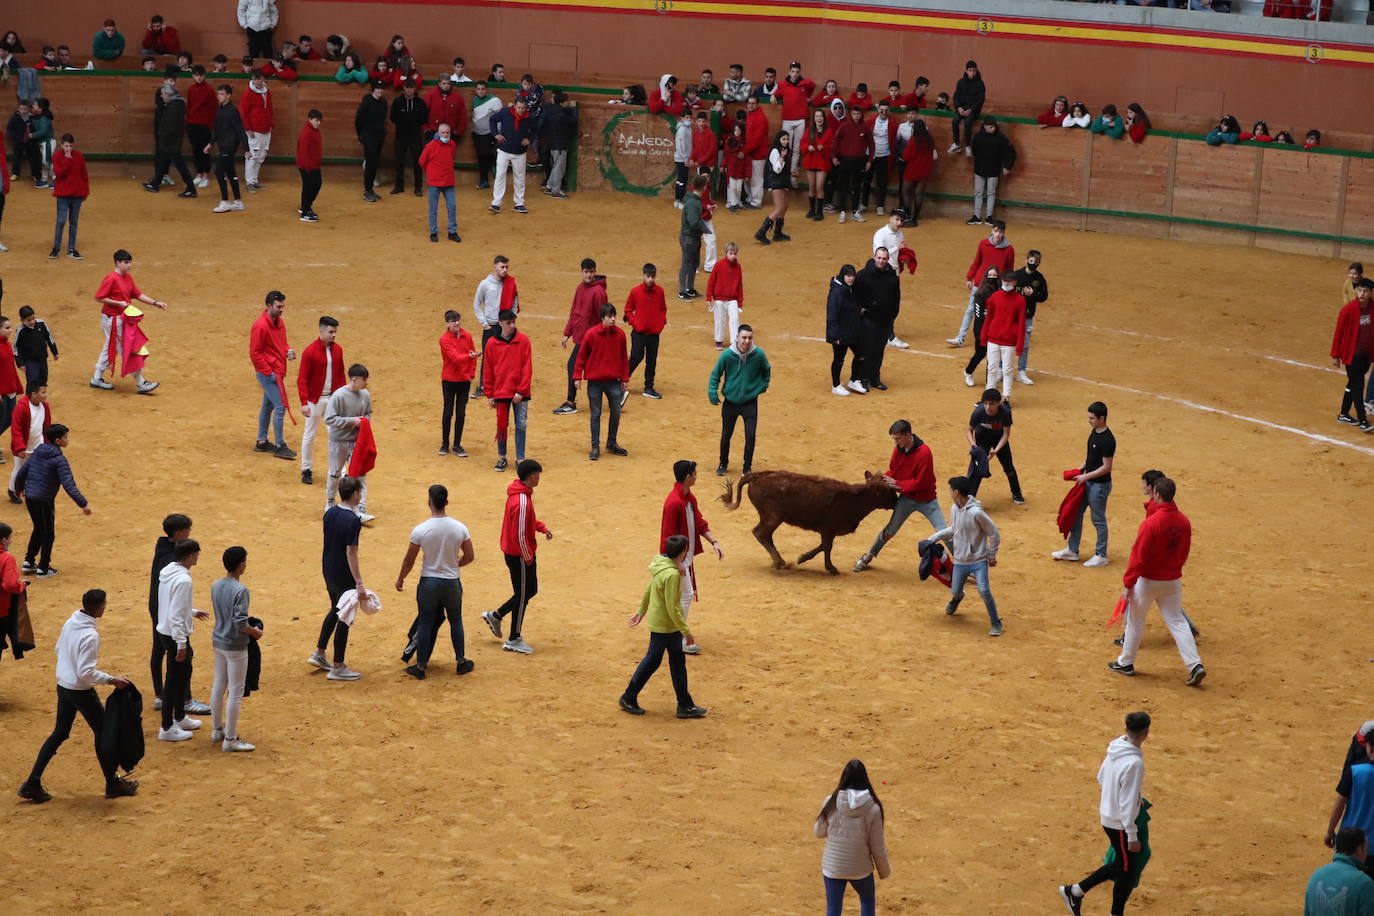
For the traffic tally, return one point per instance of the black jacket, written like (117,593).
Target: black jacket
(163,553)
(409,116)
(250,677)
(171,129)
(370,121)
(229,134)
(1039,285)
(31,345)
(879,292)
(121,733)
(842,312)
(559,127)
(992,152)
(970,93)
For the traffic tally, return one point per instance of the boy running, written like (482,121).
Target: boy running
(973,539)
(518,527)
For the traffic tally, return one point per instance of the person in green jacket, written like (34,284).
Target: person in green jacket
(351,70)
(662,607)
(108,43)
(740,375)
(1109,123)
(689,239)
(1341,888)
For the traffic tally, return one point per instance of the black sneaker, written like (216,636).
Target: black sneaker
(188,193)
(398,190)
(746,470)
(14,497)
(34,792)
(434,236)
(615,449)
(121,788)
(594,454)
(149,186)
(52,255)
(46,573)
(419,192)
(1365,427)
(951,607)
(1196,675)
(1075,904)
(973,221)
(877,384)
(458,451)
(443,450)
(283,451)
(409,651)
(371,197)
(454,237)
(311,217)
(1119,641)
(264,446)
(1018,499)
(416,672)
(721,469)
(500,464)
(651,393)
(565,408)
(633,709)
(1127,670)
(1343,418)
(466,666)
(691,712)
(307,478)
(683,296)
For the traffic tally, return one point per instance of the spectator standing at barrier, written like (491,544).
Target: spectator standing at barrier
(661,605)
(171,135)
(459,366)
(160,38)
(108,43)
(1031,283)
(309,158)
(437,161)
(737,88)
(514,129)
(369,123)
(584,313)
(117,291)
(258,18)
(1351,347)
(321,373)
(969,95)
(229,136)
(883,129)
(794,92)
(447,547)
(646,312)
(1096,475)
(519,525)
(409,116)
(255,107)
(993,159)
(851,823)
(445,105)
(200,122)
(342,572)
(270,353)
(561,121)
(910,472)
(484,107)
(852,156)
(739,377)
(756,149)
(690,229)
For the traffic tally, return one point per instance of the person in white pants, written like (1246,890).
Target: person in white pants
(255,106)
(342,411)
(321,371)
(116,292)
(1004,332)
(724,292)
(513,130)
(1154,575)
(230,641)
(258,144)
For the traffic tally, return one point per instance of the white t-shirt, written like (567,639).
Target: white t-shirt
(440,539)
(38,418)
(892,241)
(328,374)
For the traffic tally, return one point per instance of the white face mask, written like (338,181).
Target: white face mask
(443,139)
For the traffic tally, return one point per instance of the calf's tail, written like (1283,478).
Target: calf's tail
(734,495)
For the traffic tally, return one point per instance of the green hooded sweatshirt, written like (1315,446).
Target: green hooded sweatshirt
(746,375)
(661,605)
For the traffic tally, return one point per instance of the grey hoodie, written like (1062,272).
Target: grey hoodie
(853,832)
(971,532)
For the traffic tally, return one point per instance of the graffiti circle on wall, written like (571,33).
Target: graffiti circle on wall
(637,157)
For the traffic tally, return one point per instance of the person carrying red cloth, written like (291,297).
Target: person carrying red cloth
(682,516)
(269,352)
(116,293)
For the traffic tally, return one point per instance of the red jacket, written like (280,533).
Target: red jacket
(673,105)
(1348,331)
(1161,545)
(506,367)
(286,73)
(310,376)
(735,165)
(823,99)
(447,109)
(919,159)
(756,139)
(267,346)
(69,171)
(309,147)
(391,78)
(256,110)
(585,311)
(1050,118)
(853,138)
(437,161)
(726,282)
(1138,132)
(9,579)
(704,147)
(794,98)
(459,363)
(19,425)
(120,288)
(913,101)
(601,357)
(682,516)
(9,371)
(989,255)
(646,309)
(518,522)
(818,159)
(165,42)
(201,104)
(914,472)
(864,103)
(1005,320)
(892,125)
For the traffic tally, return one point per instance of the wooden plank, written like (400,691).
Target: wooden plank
(1359,199)
(1300,191)
(1214,183)
(1129,176)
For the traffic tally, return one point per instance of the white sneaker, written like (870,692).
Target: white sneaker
(319,661)
(173,734)
(167,181)
(222,207)
(953,148)
(217,734)
(857,386)
(897,343)
(862,562)
(343,673)
(955,341)
(3,247)
(840,390)
(677,204)
(148,387)
(841,218)
(693,649)
(518,645)
(1024,379)
(858,216)
(186,723)
(237,205)
(968,151)
(1095,561)
(202,182)
(1069,556)
(968,380)
(236,744)
(366,519)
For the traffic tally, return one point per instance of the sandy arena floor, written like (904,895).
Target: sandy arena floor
(521,788)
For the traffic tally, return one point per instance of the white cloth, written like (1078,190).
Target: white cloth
(1169,596)
(708,248)
(441,540)
(482,112)
(1121,776)
(78,650)
(312,426)
(231,671)
(175,616)
(725,311)
(1001,367)
(516,163)
(350,604)
(258,144)
(795,129)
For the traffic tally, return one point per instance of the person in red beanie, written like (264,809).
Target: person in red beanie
(309,157)
(71,186)
(270,353)
(584,313)
(437,162)
(603,365)
(1351,347)
(646,312)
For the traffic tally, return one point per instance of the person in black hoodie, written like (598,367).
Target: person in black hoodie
(1033,285)
(879,290)
(176,528)
(992,282)
(229,135)
(993,157)
(969,94)
(560,123)
(370,126)
(409,113)
(171,134)
(842,331)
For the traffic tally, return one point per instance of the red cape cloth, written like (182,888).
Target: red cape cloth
(131,340)
(906,259)
(943,570)
(1118,612)
(1072,505)
(364,450)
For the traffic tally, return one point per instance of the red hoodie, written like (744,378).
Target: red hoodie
(164,42)
(1004,323)
(459,364)
(646,310)
(863,103)
(704,147)
(437,161)
(518,523)
(853,139)
(1161,545)
(201,104)
(310,376)
(506,367)
(69,172)
(794,98)
(682,516)
(287,73)
(673,105)
(446,109)
(256,110)
(601,357)
(267,346)
(1347,334)
(309,147)
(989,255)
(914,472)
(19,425)
(585,311)
(726,282)
(756,139)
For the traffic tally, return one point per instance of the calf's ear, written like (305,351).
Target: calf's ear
(868,475)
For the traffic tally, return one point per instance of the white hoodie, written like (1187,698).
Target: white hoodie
(682,141)
(174,614)
(1121,776)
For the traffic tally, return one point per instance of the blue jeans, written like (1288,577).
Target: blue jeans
(450,203)
(68,211)
(439,598)
(900,513)
(522,415)
(979,572)
(834,895)
(966,320)
(271,404)
(610,390)
(1097,502)
(1025,350)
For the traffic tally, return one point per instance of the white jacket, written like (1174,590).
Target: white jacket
(682,141)
(971,531)
(175,617)
(258,15)
(78,650)
(1121,776)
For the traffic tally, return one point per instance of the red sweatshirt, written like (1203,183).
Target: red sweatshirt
(1347,334)
(682,516)
(506,367)
(119,287)
(735,166)
(518,523)
(9,371)
(852,139)
(1138,132)
(310,376)
(459,364)
(437,161)
(1161,545)
(69,171)
(286,73)
(446,109)
(586,308)
(201,104)
(914,472)
(20,422)
(756,139)
(164,42)
(726,282)
(267,346)
(646,309)
(1004,323)
(989,255)
(309,147)
(673,105)
(794,98)
(704,147)
(256,110)
(601,357)
(861,102)
(818,159)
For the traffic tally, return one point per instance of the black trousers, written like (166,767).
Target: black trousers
(1118,872)
(644,348)
(199,135)
(969,125)
(485,145)
(980,350)
(27,152)
(7,403)
(691,260)
(856,367)
(1354,386)
(43,514)
(69,703)
(914,198)
(729,413)
(157,658)
(260,43)
(165,162)
(1008,468)
(873,342)
(660,643)
(572,362)
(455,410)
(176,683)
(331,622)
(487,334)
(372,160)
(680,181)
(875,181)
(35,372)
(227,176)
(311,182)
(524,583)
(408,154)
(849,178)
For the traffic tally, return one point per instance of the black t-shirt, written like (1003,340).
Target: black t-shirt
(1100,445)
(341,528)
(987,428)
